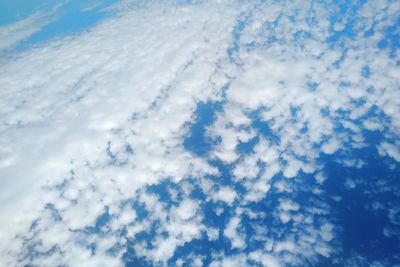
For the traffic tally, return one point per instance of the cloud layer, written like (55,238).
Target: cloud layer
(201,133)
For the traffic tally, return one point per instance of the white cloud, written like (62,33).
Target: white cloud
(231,232)
(213,233)
(339,26)
(187,209)
(390,150)
(88,122)
(350,183)
(284,217)
(288,205)
(12,34)
(326,231)
(330,147)
(265,259)
(373,124)
(320,178)
(285,246)
(247,168)
(225,194)
(76,104)
(293,167)
(230,261)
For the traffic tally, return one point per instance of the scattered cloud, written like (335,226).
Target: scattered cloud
(92,157)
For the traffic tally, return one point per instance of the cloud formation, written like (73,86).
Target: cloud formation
(93,163)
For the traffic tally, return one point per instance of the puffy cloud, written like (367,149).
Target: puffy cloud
(232,232)
(98,116)
(225,194)
(93,130)
(390,150)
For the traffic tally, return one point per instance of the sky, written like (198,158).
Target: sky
(199,133)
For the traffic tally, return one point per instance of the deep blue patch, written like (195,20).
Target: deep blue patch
(361,226)
(201,247)
(263,128)
(140,209)
(244,148)
(163,193)
(343,9)
(198,142)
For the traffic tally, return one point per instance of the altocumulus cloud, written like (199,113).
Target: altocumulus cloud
(95,164)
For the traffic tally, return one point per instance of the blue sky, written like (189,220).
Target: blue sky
(197,133)
(61,18)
